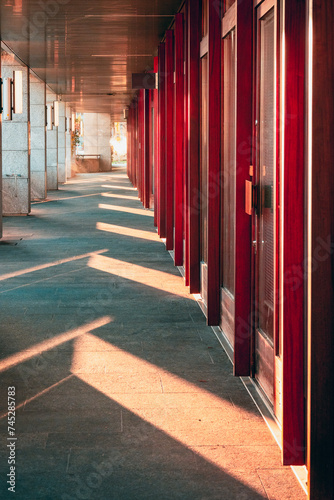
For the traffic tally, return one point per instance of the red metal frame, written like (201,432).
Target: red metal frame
(193,49)
(185,153)
(214,149)
(243,248)
(146,148)
(293,427)
(320,390)
(162,144)
(156,146)
(169,134)
(179,140)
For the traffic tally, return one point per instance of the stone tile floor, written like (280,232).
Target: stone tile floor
(122,391)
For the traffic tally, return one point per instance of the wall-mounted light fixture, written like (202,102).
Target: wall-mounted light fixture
(18,92)
(125,113)
(12,96)
(56,113)
(52,115)
(73,122)
(68,124)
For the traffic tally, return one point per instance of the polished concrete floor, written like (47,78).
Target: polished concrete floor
(122,391)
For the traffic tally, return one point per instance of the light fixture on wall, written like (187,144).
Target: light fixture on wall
(56,113)
(52,115)
(125,113)
(18,92)
(12,96)
(68,125)
(73,122)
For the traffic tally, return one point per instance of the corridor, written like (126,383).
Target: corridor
(122,391)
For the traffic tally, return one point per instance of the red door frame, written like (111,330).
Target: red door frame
(146,146)
(179,139)
(162,144)
(185,153)
(156,145)
(214,150)
(169,135)
(193,59)
(320,390)
(243,248)
(293,428)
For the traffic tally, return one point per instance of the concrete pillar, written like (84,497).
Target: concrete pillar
(15,148)
(61,145)
(51,148)
(68,143)
(38,138)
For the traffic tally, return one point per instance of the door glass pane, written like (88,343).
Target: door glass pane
(229,164)
(267,175)
(204,157)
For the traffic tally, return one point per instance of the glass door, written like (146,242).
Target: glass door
(265,213)
(228,170)
(204,128)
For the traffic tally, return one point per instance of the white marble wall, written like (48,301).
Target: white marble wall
(38,138)
(51,148)
(68,144)
(61,145)
(97,132)
(15,148)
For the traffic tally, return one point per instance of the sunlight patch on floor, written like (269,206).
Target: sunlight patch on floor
(159,280)
(136,211)
(120,196)
(161,398)
(127,188)
(128,231)
(51,343)
(50,264)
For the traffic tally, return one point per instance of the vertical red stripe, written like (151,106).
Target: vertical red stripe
(169,135)
(179,140)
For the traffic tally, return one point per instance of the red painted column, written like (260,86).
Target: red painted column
(141,143)
(243,249)
(136,143)
(185,153)
(146,148)
(169,134)
(139,147)
(293,427)
(193,49)
(156,146)
(128,153)
(179,140)
(162,144)
(151,146)
(320,381)
(214,147)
